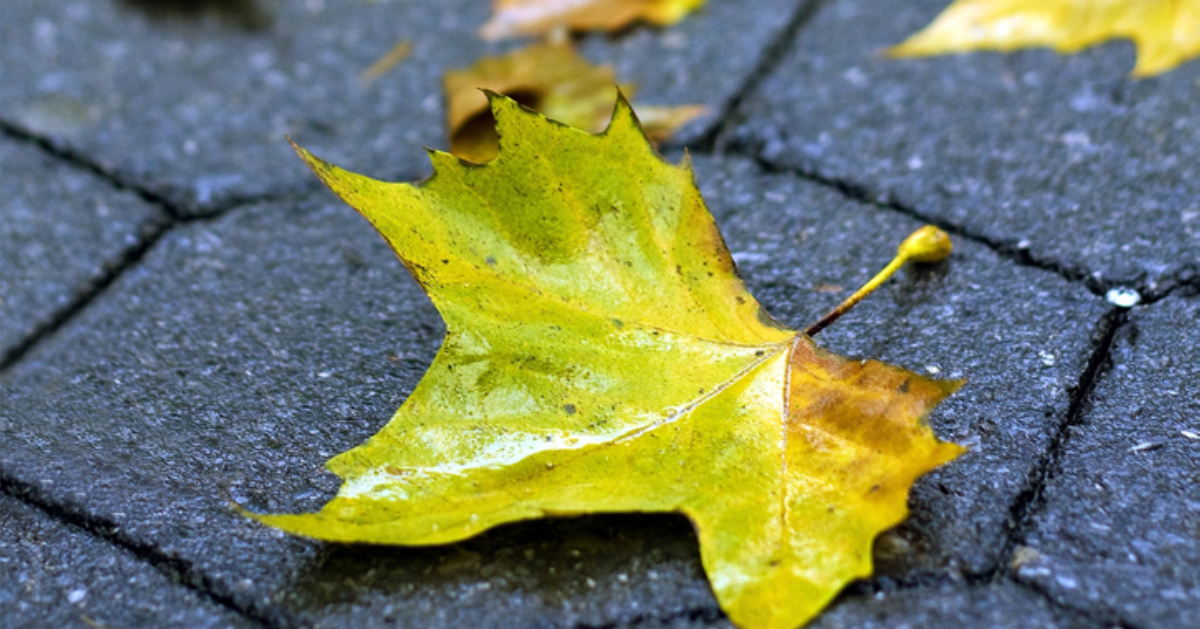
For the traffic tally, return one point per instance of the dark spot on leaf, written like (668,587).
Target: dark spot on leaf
(569,408)
(904,386)
(759,353)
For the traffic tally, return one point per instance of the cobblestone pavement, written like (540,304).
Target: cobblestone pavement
(189,321)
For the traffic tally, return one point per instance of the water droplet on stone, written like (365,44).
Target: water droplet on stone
(1123,297)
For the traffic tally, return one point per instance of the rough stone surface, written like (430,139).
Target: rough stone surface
(997,606)
(53,575)
(1120,530)
(244,352)
(195,105)
(60,228)
(1064,157)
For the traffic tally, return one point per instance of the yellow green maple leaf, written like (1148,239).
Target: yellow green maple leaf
(516,18)
(602,355)
(1166,32)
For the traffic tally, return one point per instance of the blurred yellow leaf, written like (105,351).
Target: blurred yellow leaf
(549,78)
(602,355)
(1166,32)
(517,18)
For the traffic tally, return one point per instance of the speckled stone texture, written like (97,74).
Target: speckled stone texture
(198,109)
(1120,530)
(244,352)
(1065,159)
(53,575)
(61,229)
(191,323)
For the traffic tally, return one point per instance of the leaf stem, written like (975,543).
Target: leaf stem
(927,244)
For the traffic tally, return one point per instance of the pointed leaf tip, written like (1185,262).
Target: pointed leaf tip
(623,114)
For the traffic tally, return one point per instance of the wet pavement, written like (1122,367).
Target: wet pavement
(190,322)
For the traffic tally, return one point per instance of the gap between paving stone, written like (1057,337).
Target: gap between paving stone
(177,569)
(715,138)
(1017,254)
(149,195)
(1031,498)
(772,55)
(148,234)
(706,614)
(1142,566)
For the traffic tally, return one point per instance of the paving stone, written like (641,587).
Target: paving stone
(53,575)
(197,109)
(61,228)
(996,606)
(244,352)
(1120,530)
(1065,157)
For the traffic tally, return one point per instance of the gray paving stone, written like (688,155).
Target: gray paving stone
(198,110)
(60,228)
(1120,530)
(996,606)
(52,575)
(245,351)
(1065,157)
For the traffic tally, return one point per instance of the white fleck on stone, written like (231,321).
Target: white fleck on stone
(1076,138)
(933,369)
(674,41)
(856,77)
(1123,297)
(1048,359)
(1067,582)
(77,595)
(1190,435)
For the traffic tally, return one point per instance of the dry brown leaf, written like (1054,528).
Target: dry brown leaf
(517,18)
(552,79)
